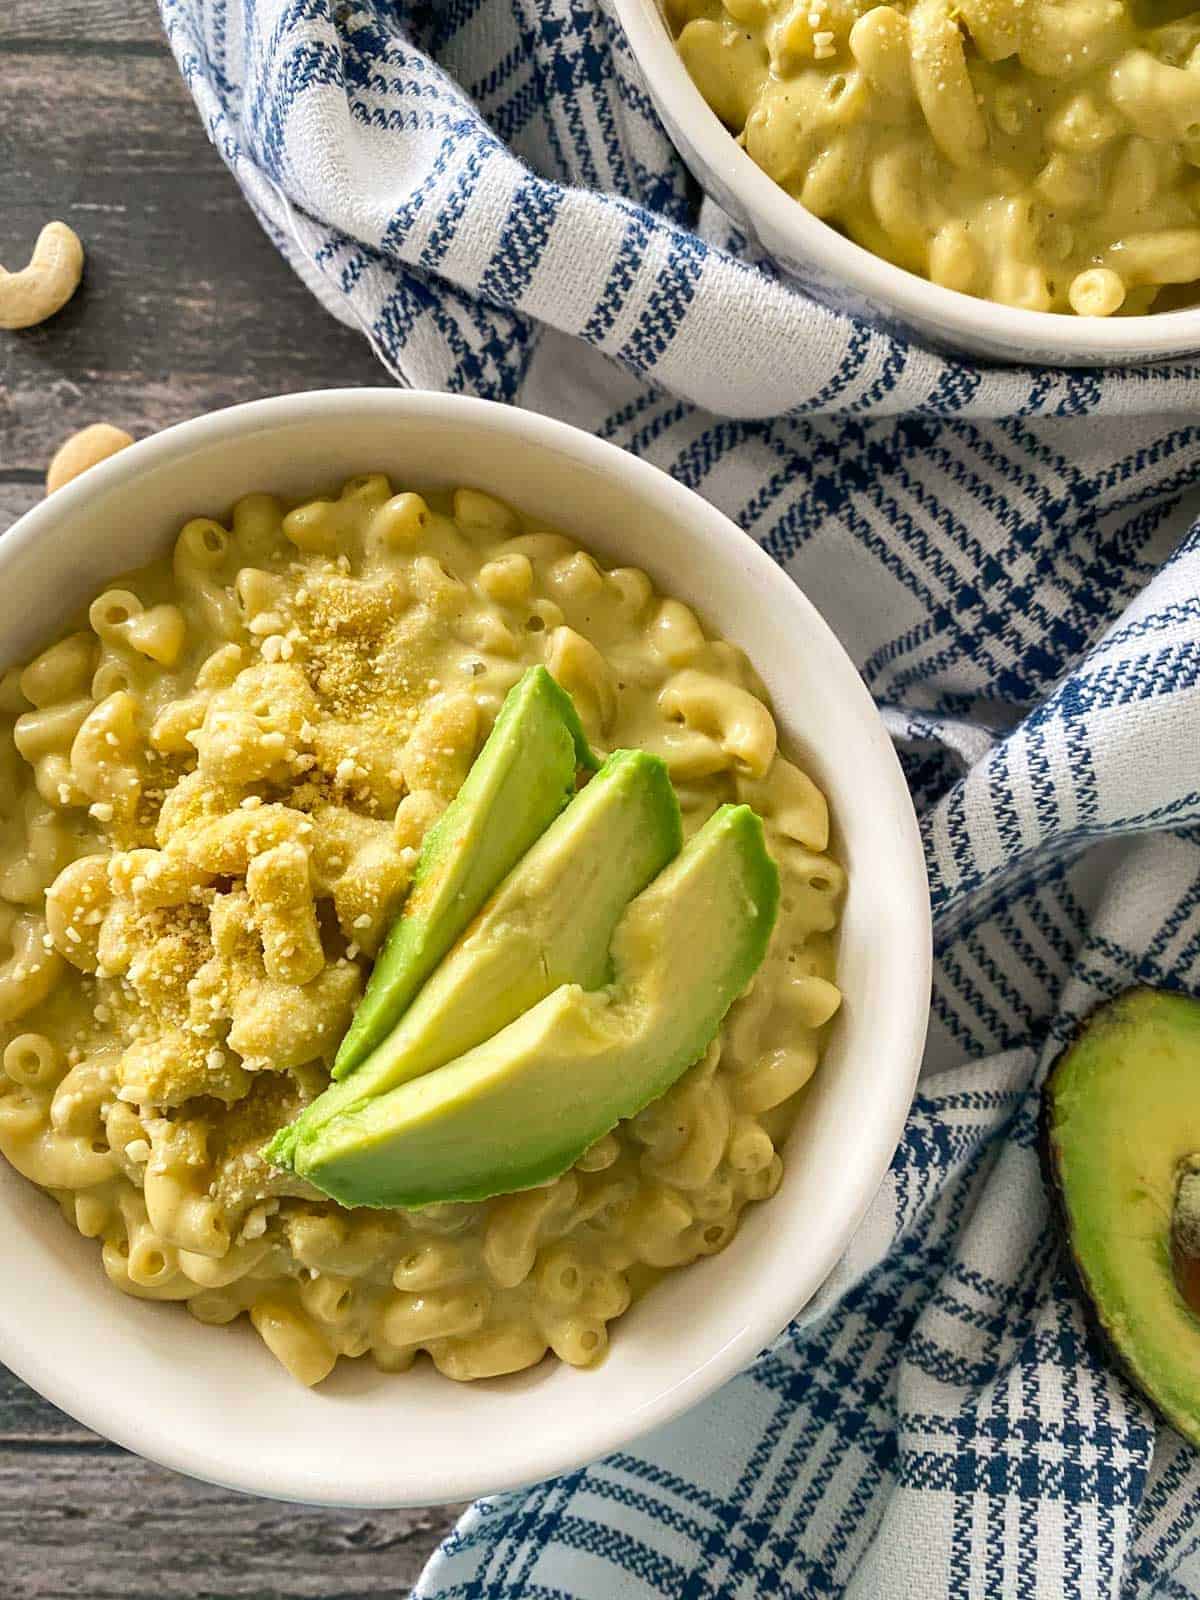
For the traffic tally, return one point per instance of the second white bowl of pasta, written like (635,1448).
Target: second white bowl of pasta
(1016,181)
(250,663)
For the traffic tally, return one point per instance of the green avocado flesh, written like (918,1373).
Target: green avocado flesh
(519,782)
(1121,1120)
(550,922)
(522,1107)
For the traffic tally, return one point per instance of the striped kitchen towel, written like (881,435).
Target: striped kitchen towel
(482,187)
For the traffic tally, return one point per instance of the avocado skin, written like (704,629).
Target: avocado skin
(517,785)
(518,1110)
(1126,1021)
(550,922)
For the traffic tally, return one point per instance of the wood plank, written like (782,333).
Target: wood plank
(26,1419)
(105,1525)
(16,497)
(81,22)
(185,305)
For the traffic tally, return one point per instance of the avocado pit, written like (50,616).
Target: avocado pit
(1185,1234)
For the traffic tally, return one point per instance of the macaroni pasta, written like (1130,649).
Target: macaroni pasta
(214,791)
(1041,153)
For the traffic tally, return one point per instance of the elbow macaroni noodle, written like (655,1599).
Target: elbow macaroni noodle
(213,797)
(1041,153)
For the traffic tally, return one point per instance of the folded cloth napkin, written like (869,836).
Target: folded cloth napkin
(482,187)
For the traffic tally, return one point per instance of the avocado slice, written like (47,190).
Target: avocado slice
(1121,1142)
(519,782)
(519,1109)
(550,922)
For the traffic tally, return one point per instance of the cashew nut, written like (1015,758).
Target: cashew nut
(47,283)
(82,450)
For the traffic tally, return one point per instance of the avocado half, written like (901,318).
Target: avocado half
(1120,1137)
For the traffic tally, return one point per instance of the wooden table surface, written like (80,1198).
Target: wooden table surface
(185,307)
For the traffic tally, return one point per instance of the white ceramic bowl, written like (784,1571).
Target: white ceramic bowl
(843,275)
(212,1402)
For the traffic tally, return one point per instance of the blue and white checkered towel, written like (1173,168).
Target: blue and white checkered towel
(481,186)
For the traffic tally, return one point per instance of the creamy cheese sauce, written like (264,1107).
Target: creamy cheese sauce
(212,796)
(1041,153)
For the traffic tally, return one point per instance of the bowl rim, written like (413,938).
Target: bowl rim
(1151,335)
(100,1406)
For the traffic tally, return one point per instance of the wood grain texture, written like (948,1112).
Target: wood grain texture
(108,1526)
(185,306)
(80,23)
